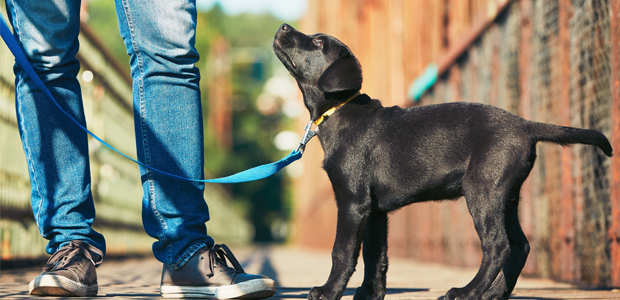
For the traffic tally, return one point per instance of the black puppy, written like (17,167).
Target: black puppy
(379,159)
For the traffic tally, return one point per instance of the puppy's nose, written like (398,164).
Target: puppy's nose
(285,27)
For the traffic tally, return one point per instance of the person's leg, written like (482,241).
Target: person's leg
(160,36)
(56,149)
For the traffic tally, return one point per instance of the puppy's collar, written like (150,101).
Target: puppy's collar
(333,109)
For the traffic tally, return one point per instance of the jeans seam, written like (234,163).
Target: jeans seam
(16,30)
(34,177)
(151,194)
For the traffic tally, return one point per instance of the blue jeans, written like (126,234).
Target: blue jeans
(159,36)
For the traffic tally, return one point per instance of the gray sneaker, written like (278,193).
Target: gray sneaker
(69,272)
(207,275)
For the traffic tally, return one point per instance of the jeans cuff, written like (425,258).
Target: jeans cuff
(188,254)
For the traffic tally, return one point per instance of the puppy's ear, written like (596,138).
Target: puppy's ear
(342,75)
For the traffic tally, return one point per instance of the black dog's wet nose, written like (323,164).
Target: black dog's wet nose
(285,27)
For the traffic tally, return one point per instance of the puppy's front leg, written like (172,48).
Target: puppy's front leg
(352,219)
(375,258)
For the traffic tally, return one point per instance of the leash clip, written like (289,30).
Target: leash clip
(309,134)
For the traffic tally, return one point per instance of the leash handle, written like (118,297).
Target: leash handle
(252,174)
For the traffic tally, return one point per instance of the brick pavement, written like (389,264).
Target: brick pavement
(296,271)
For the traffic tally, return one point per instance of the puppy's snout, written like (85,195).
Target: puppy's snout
(280,38)
(285,27)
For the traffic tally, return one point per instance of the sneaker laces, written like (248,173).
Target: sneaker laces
(219,254)
(67,253)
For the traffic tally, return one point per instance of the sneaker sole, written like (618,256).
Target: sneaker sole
(251,289)
(52,285)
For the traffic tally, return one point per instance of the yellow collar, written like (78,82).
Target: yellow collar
(333,109)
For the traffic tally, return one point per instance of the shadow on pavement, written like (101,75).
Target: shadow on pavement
(112,295)
(302,292)
(268,270)
(530,298)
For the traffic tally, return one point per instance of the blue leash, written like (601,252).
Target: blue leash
(252,174)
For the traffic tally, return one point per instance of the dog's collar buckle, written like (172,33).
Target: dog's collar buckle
(309,134)
(333,109)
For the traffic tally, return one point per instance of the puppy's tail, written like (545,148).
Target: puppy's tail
(569,135)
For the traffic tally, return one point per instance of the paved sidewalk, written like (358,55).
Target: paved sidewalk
(296,271)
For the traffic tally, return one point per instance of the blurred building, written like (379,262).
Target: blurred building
(555,61)
(220,92)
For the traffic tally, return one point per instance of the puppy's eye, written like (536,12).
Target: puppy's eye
(318,42)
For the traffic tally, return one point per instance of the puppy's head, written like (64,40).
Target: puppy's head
(325,69)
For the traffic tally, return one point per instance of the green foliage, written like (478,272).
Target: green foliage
(248,30)
(252,133)
(102,19)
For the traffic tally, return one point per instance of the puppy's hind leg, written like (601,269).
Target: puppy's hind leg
(375,258)
(519,250)
(488,214)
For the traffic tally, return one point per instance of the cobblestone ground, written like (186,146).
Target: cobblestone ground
(296,271)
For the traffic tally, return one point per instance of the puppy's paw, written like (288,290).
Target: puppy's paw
(316,293)
(324,293)
(495,294)
(498,290)
(367,292)
(455,294)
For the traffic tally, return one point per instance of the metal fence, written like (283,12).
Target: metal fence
(553,61)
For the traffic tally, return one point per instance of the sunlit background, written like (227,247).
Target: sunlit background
(552,61)
(281,9)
